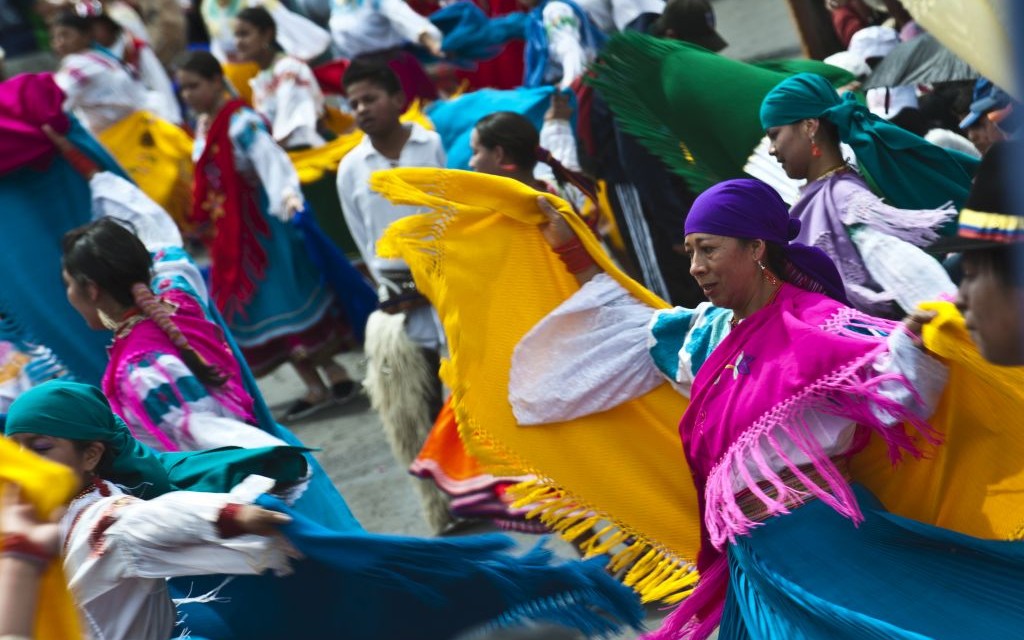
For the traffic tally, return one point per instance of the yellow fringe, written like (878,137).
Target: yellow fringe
(654,574)
(489,213)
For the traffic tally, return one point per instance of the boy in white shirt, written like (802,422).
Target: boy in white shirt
(405,335)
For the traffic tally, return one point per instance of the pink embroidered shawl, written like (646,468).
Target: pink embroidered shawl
(146,339)
(802,353)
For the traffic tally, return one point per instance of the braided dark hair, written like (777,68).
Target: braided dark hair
(110,256)
(520,141)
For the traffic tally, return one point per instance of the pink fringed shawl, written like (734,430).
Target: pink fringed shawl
(802,353)
(146,339)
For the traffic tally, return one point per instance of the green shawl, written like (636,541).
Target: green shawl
(694,109)
(910,172)
(76,411)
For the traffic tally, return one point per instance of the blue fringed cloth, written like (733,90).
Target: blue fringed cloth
(362,586)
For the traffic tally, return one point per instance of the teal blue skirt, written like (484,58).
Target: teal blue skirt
(815,575)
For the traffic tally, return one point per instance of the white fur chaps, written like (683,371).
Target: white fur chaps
(399,384)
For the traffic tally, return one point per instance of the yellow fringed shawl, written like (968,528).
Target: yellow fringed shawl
(492,277)
(47,486)
(477,255)
(974,482)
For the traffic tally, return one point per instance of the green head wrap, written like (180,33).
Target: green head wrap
(911,172)
(77,411)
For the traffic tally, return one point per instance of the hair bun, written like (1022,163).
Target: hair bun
(793,228)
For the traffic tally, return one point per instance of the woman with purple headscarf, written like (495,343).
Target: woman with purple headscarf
(786,382)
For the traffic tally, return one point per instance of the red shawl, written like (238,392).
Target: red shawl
(223,197)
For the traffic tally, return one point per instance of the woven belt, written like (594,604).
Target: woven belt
(754,509)
(397,292)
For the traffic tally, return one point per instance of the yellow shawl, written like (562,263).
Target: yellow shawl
(477,255)
(47,486)
(157,155)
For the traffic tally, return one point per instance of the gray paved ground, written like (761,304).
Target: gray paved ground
(354,451)
(757,29)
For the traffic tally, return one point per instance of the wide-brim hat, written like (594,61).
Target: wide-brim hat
(990,216)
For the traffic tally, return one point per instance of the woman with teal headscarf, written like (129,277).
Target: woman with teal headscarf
(876,244)
(118,550)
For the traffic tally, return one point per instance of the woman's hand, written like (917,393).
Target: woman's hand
(19,517)
(556,230)
(560,109)
(292,205)
(915,321)
(431,44)
(260,521)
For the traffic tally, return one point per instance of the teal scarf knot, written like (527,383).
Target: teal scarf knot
(911,172)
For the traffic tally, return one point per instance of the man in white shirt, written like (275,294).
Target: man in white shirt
(403,356)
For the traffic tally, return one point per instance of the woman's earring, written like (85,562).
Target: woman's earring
(106,320)
(768,276)
(815,149)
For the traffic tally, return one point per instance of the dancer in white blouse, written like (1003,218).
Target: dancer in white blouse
(118,550)
(285,91)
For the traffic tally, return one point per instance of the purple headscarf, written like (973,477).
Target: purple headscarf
(750,209)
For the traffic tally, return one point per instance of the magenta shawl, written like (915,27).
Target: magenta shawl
(145,340)
(804,352)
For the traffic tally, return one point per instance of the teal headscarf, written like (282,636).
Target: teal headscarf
(76,411)
(911,172)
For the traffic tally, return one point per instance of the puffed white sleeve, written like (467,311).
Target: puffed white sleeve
(557,137)
(926,377)
(273,166)
(564,43)
(115,197)
(176,535)
(910,274)
(409,24)
(299,103)
(588,355)
(161,97)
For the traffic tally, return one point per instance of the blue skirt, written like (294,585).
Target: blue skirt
(291,297)
(813,574)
